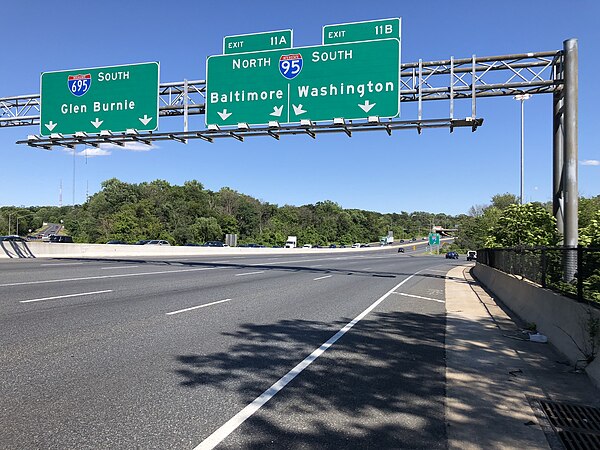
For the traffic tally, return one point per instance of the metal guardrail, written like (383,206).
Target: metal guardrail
(547,267)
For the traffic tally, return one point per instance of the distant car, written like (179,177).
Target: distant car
(213,244)
(142,242)
(400,249)
(62,239)
(365,245)
(307,246)
(471,255)
(157,242)
(451,255)
(401,241)
(333,246)
(342,246)
(116,241)
(357,245)
(413,239)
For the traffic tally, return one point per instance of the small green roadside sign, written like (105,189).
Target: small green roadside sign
(115,98)
(256,42)
(362,31)
(350,81)
(434,239)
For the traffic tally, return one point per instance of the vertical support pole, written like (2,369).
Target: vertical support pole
(73,177)
(557,158)
(580,274)
(420,113)
(452,87)
(571,88)
(473,82)
(571,100)
(522,150)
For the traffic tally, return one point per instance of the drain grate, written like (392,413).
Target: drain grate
(577,426)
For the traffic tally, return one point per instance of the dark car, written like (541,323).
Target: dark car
(400,249)
(62,239)
(116,241)
(213,244)
(333,246)
(451,255)
(142,242)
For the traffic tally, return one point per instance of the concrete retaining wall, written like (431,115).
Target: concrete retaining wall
(34,249)
(561,319)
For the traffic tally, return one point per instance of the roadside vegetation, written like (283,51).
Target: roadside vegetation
(191,213)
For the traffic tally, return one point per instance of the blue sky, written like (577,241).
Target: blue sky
(435,171)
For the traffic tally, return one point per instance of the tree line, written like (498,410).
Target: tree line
(193,214)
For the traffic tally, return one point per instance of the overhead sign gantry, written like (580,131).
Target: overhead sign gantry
(549,72)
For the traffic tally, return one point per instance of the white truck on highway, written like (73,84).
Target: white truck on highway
(387,240)
(292,242)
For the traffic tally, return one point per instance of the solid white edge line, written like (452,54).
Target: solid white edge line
(232,424)
(322,278)
(248,273)
(418,296)
(196,307)
(65,296)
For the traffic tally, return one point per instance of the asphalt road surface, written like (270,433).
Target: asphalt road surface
(336,350)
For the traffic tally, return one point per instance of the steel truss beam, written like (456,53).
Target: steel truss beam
(453,79)
(240,134)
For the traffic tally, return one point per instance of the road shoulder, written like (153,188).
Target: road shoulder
(488,381)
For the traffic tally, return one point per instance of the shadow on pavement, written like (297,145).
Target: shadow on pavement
(382,385)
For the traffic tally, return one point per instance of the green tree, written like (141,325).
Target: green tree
(503,201)
(206,229)
(524,225)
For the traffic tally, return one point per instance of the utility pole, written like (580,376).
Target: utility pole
(522,98)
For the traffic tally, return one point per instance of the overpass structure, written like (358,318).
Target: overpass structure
(466,79)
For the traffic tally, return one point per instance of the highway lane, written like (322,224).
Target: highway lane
(114,370)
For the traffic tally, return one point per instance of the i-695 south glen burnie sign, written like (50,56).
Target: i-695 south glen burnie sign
(349,80)
(113,98)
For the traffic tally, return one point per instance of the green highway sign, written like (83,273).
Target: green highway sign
(244,43)
(362,31)
(113,98)
(434,239)
(350,81)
